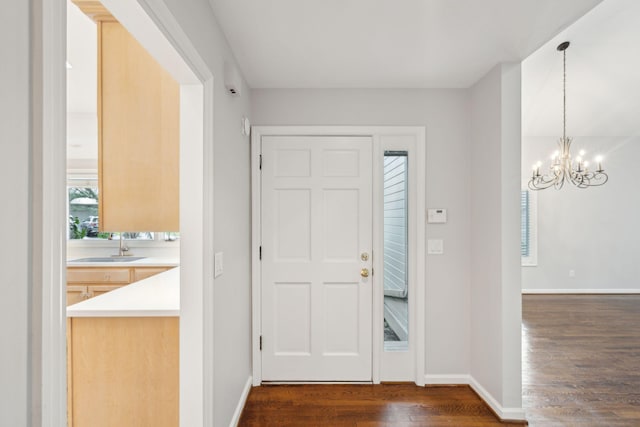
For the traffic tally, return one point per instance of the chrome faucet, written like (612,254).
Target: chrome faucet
(123,249)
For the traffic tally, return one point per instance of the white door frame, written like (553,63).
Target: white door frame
(196,322)
(417,321)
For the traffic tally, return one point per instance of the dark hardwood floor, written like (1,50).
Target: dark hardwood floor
(392,405)
(581,367)
(581,360)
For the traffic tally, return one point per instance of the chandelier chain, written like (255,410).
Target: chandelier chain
(564,94)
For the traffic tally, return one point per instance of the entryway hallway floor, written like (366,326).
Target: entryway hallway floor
(392,405)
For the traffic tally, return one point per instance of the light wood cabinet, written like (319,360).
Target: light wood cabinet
(138,132)
(88,282)
(138,141)
(123,371)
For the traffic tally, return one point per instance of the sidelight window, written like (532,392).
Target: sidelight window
(395,251)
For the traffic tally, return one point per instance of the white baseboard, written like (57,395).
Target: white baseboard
(243,399)
(581,291)
(453,379)
(513,414)
(505,414)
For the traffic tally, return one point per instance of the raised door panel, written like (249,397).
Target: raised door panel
(139,120)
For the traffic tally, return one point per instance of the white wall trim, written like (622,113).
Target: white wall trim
(580,291)
(505,414)
(446,379)
(196,326)
(256,266)
(373,131)
(377,241)
(235,420)
(421,254)
(49,188)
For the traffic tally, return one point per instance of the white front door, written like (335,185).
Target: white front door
(316,239)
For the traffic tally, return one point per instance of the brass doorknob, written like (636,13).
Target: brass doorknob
(364,272)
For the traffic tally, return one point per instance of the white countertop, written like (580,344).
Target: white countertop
(156,296)
(144,262)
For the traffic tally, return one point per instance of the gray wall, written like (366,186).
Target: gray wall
(15,255)
(232,304)
(445,113)
(495,236)
(590,231)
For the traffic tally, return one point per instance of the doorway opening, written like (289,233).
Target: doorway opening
(153,26)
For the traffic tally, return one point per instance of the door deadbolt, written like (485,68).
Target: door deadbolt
(364,256)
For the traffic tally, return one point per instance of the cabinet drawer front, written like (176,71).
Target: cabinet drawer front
(140,273)
(98,275)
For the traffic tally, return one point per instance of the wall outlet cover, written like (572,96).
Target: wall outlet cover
(435,247)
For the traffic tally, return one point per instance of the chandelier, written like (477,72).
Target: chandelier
(563,167)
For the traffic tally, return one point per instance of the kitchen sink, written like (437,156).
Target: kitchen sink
(109,259)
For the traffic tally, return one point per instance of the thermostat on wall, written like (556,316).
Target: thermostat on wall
(436,216)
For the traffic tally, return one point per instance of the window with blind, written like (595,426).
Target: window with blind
(528,228)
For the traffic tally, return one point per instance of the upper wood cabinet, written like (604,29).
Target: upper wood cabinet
(138,140)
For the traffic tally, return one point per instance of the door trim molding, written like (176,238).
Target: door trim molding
(418,321)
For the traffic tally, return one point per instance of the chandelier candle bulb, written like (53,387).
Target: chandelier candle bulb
(599,160)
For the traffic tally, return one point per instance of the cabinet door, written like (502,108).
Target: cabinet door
(138,136)
(76,293)
(124,371)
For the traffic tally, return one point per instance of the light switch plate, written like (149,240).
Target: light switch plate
(217,264)
(435,247)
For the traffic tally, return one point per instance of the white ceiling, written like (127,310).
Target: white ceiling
(386,43)
(603,77)
(424,43)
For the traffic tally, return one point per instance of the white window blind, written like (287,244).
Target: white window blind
(528,228)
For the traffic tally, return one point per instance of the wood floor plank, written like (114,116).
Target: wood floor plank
(581,360)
